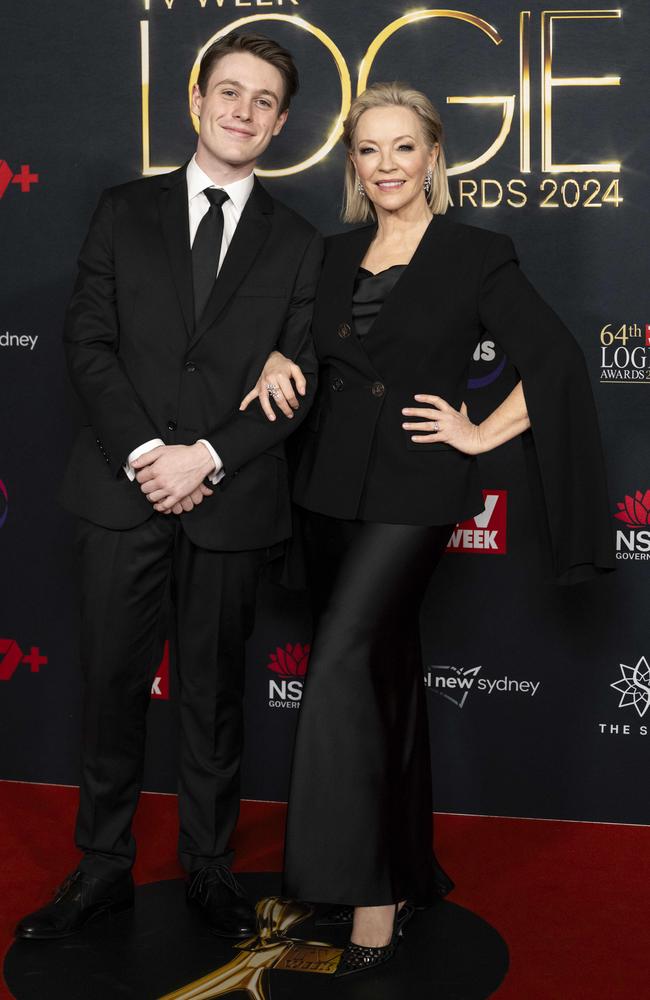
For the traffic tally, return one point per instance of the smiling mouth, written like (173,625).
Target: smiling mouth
(390,185)
(239,132)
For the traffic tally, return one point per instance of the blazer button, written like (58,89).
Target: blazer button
(344,330)
(190,367)
(378,389)
(337,384)
(171,425)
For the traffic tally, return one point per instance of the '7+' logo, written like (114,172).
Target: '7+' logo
(25,178)
(11,656)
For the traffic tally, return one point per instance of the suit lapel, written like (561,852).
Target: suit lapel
(348,261)
(174,221)
(248,239)
(422,272)
(420,279)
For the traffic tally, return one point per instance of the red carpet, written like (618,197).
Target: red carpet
(571,899)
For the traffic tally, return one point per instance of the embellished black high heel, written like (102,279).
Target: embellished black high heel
(357,957)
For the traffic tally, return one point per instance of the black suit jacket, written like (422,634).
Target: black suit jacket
(357,461)
(142,369)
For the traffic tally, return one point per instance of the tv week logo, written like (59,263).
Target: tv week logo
(12,656)
(24,178)
(486,532)
(289,664)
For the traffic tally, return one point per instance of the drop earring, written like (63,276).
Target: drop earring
(360,187)
(428,180)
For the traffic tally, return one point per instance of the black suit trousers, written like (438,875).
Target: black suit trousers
(125,578)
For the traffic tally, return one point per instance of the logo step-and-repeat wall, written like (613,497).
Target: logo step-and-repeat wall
(539,696)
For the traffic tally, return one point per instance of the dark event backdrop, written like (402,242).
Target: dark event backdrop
(539,696)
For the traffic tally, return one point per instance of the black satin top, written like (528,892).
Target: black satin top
(370,292)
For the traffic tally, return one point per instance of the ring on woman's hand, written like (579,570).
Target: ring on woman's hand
(272,390)
(435,426)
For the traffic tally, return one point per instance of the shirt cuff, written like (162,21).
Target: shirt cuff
(218,473)
(147,446)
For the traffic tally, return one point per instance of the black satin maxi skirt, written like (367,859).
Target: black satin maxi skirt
(360,825)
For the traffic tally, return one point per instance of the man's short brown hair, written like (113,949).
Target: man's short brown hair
(257,45)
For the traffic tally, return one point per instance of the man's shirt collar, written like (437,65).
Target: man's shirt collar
(238,192)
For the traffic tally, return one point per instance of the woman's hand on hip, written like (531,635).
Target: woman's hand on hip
(439,421)
(274,386)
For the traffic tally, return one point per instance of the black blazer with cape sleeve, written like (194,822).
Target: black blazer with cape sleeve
(356,461)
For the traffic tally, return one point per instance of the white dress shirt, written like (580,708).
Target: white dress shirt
(198,205)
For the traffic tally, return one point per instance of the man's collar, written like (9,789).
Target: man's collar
(238,192)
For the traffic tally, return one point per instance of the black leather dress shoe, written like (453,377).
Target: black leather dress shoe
(79,899)
(222,902)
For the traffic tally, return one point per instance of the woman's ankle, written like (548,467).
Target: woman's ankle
(372,926)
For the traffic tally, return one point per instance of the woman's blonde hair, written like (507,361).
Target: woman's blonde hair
(357,207)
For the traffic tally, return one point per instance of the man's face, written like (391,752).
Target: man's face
(240,110)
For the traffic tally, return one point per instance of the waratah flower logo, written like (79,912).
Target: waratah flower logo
(634,686)
(636,509)
(291,661)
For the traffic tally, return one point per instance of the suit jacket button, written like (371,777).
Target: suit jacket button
(171,425)
(378,389)
(337,384)
(344,330)
(190,367)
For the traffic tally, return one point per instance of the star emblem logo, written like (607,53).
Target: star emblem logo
(634,686)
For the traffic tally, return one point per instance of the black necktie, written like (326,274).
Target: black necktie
(206,250)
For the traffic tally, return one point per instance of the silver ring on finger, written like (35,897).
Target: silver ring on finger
(435,427)
(272,390)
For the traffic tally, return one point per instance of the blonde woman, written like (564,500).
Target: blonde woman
(387,466)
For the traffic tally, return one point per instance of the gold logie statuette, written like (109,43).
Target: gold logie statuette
(270,949)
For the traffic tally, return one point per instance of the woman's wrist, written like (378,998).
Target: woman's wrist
(490,437)
(482,437)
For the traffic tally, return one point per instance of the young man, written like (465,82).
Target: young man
(186,283)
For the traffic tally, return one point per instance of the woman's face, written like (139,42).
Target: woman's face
(391,157)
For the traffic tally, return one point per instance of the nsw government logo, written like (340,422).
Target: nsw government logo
(455,683)
(289,664)
(486,532)
(634,511)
